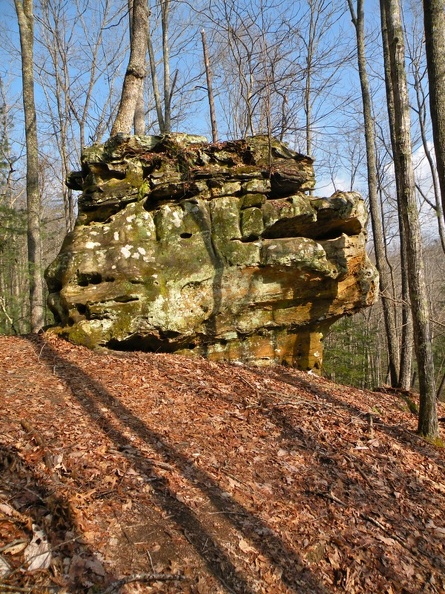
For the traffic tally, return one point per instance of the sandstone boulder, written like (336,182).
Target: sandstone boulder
(208,249)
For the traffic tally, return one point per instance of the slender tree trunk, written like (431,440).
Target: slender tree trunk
(434,22)
(139,114)
(377,227)
(308,112)
(437,206)
(24,9)
(308,85)
(155,84)
(134,77)
(428,424)
(250,127)
(165,10)
(440,389)
(407,338)
(209,87)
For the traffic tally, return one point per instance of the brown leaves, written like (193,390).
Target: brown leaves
(236,479)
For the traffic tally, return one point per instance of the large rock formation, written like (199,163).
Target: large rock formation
(209,249)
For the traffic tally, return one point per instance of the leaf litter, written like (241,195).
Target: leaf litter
(141,472)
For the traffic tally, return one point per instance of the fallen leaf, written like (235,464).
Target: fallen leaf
(6,509)
(245,546)
(4,567)
(37,554)
(334,559)
(15,547)
(95,566)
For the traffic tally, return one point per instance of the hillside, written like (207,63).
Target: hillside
(188,476)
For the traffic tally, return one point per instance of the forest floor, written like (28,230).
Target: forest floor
(141,473)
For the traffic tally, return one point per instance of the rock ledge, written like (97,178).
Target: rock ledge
(208,249)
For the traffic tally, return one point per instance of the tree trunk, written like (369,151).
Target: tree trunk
(308,83)
(134,77)
(377,227)
(139,112)
(155,83)
(209,88)
(422,118)
(440,389)
(407,338)
(434,22)
(428,424)
(168,91)
(24,10)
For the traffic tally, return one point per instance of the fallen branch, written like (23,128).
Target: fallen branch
(388,531)
(144,578)
(363,475)
(331,498)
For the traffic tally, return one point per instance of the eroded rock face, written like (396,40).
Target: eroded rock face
(208,249)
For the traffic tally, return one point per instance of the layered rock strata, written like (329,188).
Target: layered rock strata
(208,249)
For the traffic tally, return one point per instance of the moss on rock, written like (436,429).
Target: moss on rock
(208,249)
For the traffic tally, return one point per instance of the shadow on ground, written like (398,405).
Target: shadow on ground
(93,397)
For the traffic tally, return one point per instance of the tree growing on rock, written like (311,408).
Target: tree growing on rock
(136,70)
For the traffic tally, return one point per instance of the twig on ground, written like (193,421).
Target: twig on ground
(144,578)
(12,544)
(7,588)
(39,441)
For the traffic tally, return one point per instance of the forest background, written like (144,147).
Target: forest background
(277,67)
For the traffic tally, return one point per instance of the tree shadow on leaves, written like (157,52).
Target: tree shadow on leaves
(358,477)
(40,512)
(407,438)
(93,397)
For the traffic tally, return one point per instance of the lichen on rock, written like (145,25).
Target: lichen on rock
(209,249)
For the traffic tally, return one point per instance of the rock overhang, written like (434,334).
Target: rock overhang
(209,249)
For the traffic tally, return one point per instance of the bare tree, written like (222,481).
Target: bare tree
(136,71)
(320,16)
(76,66)
(407,338)
(139,112)
(209,87)
(168,86)
(434,21)
(415,54)
(322,58)
(357,16)
(14,301)
(25,16)
(257,66)
(395,59)
(155,83)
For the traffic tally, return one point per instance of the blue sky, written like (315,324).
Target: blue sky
(337,147)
